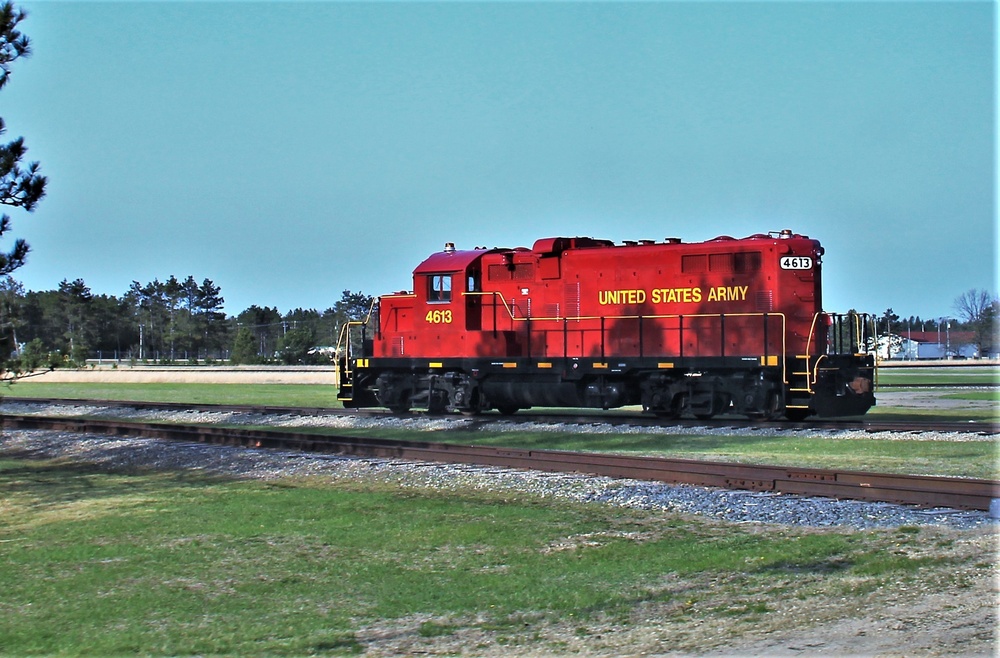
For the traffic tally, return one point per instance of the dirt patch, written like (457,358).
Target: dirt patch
(922,399)
(953,612)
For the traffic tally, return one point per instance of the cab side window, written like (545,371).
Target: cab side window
(439,288)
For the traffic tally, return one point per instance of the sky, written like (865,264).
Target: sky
(290,151)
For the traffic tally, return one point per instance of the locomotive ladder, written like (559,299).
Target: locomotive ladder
(345,374)
(346,349)
(800,383)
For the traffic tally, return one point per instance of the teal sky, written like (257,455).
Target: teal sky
(289,151)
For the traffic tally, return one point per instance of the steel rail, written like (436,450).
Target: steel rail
(925,491)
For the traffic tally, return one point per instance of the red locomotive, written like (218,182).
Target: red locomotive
(726,325)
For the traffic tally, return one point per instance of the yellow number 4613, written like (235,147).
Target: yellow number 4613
(438,317)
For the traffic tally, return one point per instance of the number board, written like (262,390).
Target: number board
(796,263)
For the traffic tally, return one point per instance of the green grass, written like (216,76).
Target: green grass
(979,415)
(989,396)
(178,564)
(907,379)
(936,404)
(942,375)
(297,395)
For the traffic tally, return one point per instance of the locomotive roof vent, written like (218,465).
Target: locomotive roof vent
(647,241)
(671,240)
(449,247)
(785,233)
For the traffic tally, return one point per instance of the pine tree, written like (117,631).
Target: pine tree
(20,186)
(244,348)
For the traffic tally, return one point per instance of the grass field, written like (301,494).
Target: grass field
(98,563)
(939,375)
(299,395)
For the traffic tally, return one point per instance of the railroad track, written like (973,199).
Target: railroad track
(620,417)
(958,493)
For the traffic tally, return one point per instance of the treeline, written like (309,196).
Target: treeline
(172,321)
(895,324)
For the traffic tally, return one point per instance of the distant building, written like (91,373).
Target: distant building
(913,345)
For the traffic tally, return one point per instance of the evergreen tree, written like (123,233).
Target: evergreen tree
(210,319)
(266,326)
(11,302)
(75,300)
(21,186)
(352,307)
(151,315)
(244,348)
(295,345)
(891,322)
(113,330)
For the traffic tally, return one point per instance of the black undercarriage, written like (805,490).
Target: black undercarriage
(827,386)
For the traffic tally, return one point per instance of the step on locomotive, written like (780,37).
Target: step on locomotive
(701,328)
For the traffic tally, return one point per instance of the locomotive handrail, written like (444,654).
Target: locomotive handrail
(344,370)
(658,316)
(815,370)
(679,316)
(494,294)
(857,336)
(371,309)
(344,341)
(812,371)
(856,340)
(344,335)
(812,332)
(345,330)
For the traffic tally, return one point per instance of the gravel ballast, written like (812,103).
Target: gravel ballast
(734,506)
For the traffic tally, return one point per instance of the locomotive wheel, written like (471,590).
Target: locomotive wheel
(676,409)
(773,408)
(719,403)
(401,408)
(475,405)
(507,409)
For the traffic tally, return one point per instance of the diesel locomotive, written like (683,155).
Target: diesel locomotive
(700,328)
